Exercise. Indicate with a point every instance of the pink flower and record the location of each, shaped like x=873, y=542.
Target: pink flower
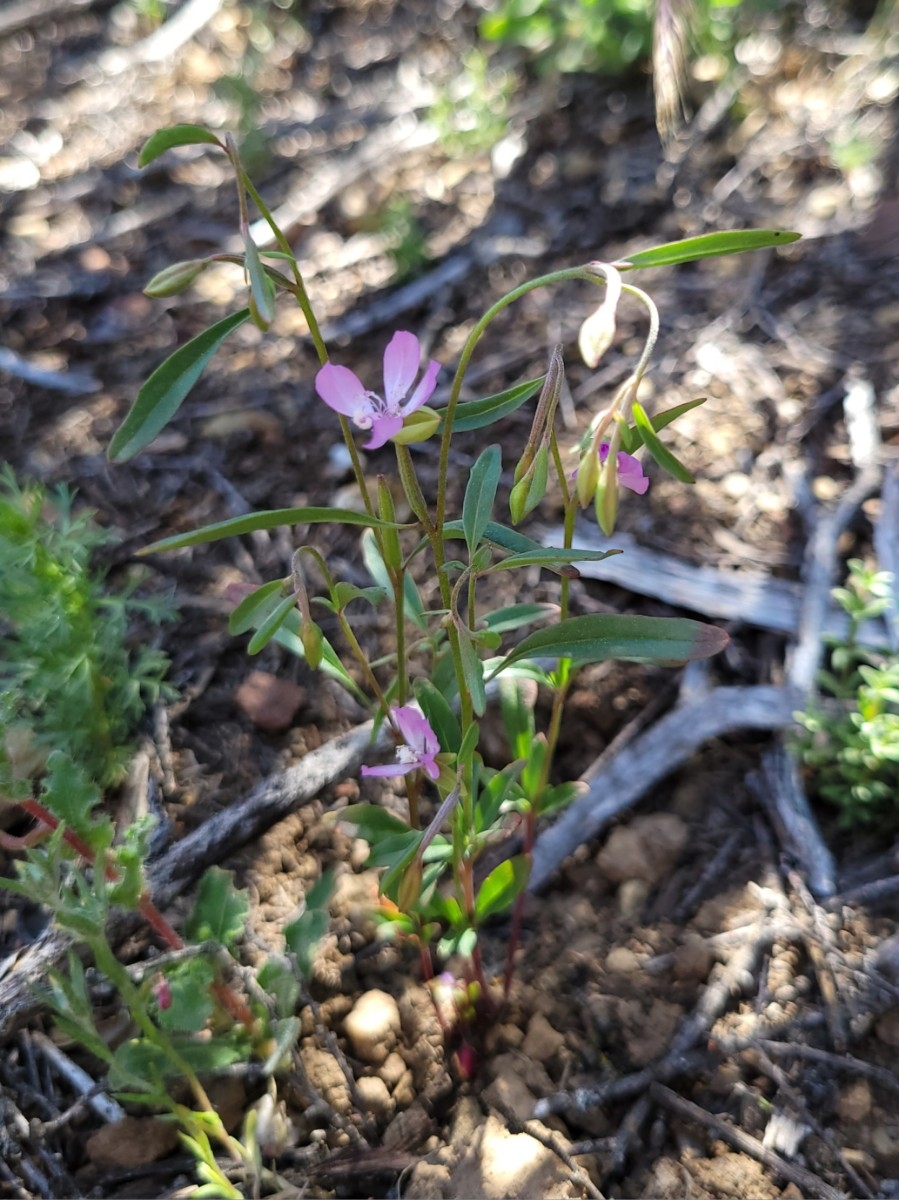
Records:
x=419, y=750
x=630, y=472
x=342, y=390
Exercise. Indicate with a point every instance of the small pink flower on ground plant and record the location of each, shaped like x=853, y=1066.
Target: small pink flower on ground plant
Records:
x=419, y=750
x=342, y=390
x=630, y=472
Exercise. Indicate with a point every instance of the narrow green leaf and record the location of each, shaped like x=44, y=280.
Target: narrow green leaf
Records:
x=473, y=671
x=178, y=135
x=477, y=504
x=254, y=608
x=660, y=453
x=271, y=624
x=476, y=414
x=163, y=393
x=504, y=620
x=604, y=636
x=261, y=287
x=630, y=438
x=268, y=519
x=502, y=886
x=709, y=245
x=549, y=556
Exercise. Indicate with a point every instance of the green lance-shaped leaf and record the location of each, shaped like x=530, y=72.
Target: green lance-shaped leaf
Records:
x=551, y=557
x=476, y=414
x=267, y=519
x=473, y=672
x=501, y=887
x=255, y=607
x=709, y=245
x=440, y=715
x=163, y=393
x=514, y=542
x=630, y=438
x=178, y=135
x=262, y=289
x=477, y=504
x=271, y=624
x=660, y=453
x=604, y=636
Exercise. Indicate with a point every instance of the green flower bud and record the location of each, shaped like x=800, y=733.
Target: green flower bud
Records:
x=176, y=278
x=606, y=500
x=587, y=476
x=418, y=427
x=531, y=488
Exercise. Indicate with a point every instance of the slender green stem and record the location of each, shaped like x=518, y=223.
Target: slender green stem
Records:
x=465, y=358
x=302, y=295
x=359, y=655
x=397, y=578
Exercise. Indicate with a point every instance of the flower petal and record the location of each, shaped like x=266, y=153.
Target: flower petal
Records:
x=394, y=768
x=416, y=730
x=401, y=359
x=424, y=391
x=341, y=390
x=630, y=474
x=383, y=427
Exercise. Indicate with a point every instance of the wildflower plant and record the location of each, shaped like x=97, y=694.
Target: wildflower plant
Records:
x=431, y=692
x=427, y=695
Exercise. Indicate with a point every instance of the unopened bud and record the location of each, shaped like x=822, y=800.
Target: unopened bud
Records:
x=598, y=331
x=587, y=476
x=607, y=496
x=176, y=278
x=418, y=427
x=531, y=488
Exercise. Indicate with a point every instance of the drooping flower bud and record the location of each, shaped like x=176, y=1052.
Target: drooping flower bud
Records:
x=598, y=331
x=587, y=476
x=389, y=538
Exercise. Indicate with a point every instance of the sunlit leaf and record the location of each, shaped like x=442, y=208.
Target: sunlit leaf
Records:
x=709, y=245
x=178, y=135
x=163, y=393
x=630, y=438
x=502, y=885
x=659, y=452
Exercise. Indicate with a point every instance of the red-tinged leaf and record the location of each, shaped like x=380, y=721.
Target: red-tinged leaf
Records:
x=163, y=393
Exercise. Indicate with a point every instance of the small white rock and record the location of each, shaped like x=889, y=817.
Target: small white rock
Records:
x=373, y=1026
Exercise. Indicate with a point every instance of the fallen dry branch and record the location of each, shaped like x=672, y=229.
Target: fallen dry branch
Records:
x=811, y=1184
x=653, y=756
x=718, y=593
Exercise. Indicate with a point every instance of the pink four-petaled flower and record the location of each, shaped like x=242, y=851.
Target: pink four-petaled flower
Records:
x=342, y=390
x=419, y=750
x=630, y=472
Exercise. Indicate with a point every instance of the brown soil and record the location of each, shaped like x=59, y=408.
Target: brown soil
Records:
x=678, y=986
